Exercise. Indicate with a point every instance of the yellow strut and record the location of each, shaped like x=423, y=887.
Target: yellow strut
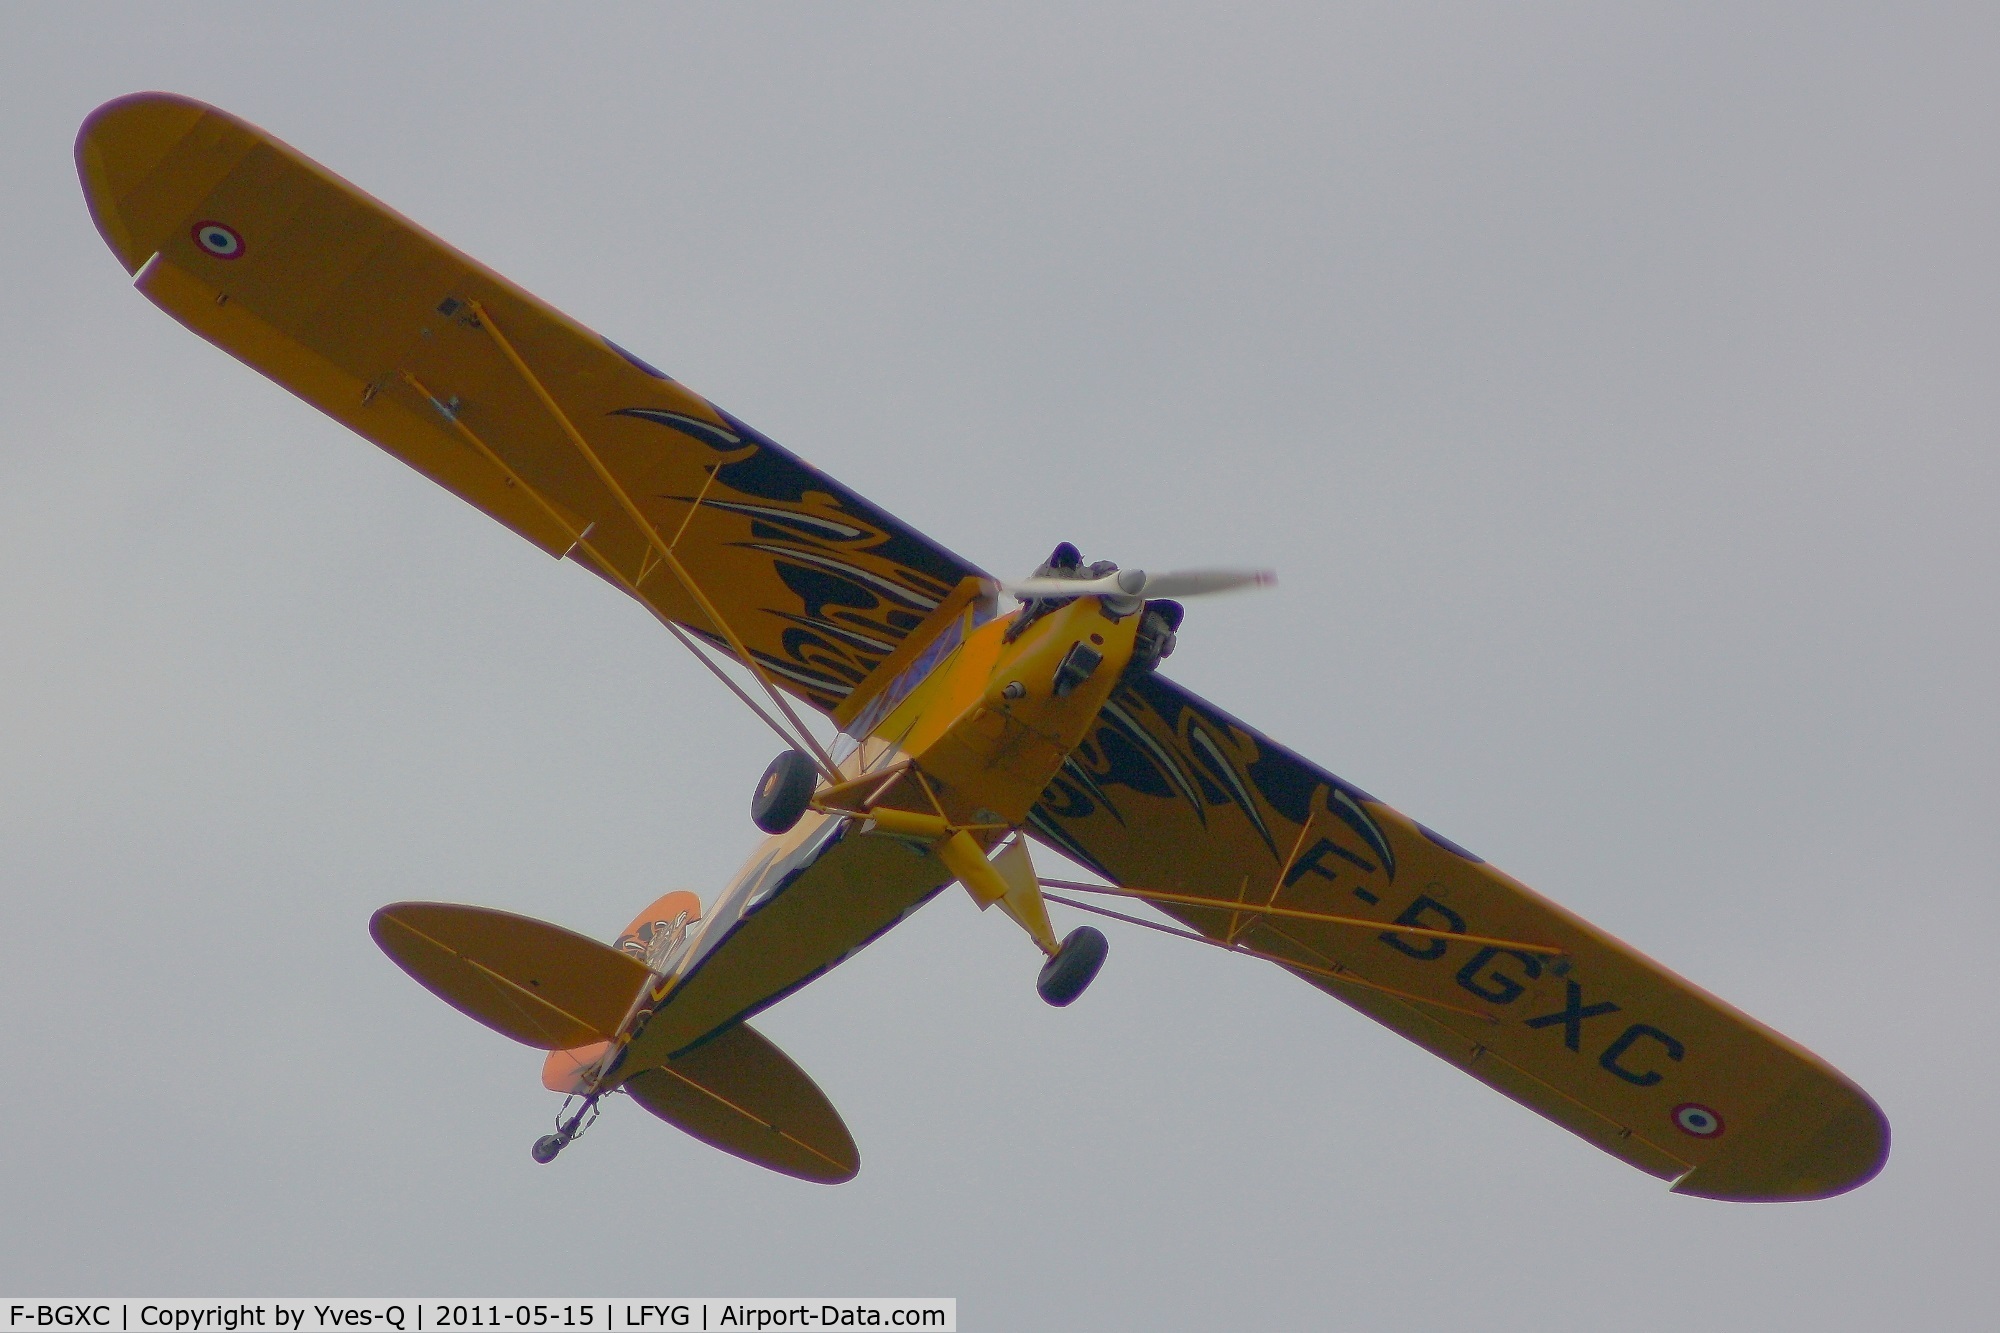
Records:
x=1278, y=886
x=1011, y=882
x=652, y=535
x=582, y=540
x=875, y=783
x=1298, y=914
x=1341, y=975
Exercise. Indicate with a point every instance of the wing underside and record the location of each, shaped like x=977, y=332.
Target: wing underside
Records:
x=475, y=383
x=1171, y=795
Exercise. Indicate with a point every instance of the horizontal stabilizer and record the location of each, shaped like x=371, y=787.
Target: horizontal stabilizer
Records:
x=537, y=983
x=739, y=1093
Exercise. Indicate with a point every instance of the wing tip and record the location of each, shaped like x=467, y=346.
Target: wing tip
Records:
x=1840, y=1149
x=117, y=146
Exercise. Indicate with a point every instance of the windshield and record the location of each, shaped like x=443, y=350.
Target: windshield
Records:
x=978, y=613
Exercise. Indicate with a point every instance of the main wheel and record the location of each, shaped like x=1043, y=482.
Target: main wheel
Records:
x=546, y=1148
x=1073, y=967
x=783, y=792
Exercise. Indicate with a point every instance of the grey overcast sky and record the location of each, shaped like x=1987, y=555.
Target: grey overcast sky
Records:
x=1613, y=386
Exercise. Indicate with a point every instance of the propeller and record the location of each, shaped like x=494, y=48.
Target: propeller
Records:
x=1137, y=584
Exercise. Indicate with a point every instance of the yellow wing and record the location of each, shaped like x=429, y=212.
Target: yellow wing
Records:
x=567, y=439
x=1170, y=794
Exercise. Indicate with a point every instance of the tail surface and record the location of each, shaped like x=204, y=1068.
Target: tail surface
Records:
x=571, y=996
x=739, y=1093
x=526, y=979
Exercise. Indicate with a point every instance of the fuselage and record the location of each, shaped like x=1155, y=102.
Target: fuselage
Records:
x=975, y=739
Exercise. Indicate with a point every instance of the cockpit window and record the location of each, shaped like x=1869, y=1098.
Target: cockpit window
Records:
x=978, y=613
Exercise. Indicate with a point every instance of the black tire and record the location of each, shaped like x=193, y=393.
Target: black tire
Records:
x=546, y=1148
x=784, y=792
x=1074, y=966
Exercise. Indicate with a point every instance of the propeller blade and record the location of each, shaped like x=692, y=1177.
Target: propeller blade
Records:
x=1138, y=583
x=1199, y=582
x=1032, y=588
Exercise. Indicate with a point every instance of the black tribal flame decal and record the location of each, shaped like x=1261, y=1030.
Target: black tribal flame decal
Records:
x=858, y=580
x=1157, y=740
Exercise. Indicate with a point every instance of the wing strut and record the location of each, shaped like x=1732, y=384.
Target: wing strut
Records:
x=1299, y=914
x=581, y=540
x=1336, y=973
x=1010, y=881
x=652, y=535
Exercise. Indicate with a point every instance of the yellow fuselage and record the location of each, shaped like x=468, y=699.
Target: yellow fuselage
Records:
x=982, y=735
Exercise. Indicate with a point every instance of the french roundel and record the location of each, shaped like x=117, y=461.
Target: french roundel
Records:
x=218, y=239
x=1698, y=1120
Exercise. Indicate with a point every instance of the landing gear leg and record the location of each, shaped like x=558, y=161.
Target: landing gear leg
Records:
x=1009, y=879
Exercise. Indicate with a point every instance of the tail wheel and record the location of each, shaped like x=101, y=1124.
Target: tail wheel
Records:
x=784, y=792
x=1073, y=966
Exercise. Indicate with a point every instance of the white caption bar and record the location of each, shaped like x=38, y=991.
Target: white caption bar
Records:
x=385, y=1315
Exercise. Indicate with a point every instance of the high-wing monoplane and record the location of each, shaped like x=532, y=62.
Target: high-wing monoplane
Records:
x=963, y=732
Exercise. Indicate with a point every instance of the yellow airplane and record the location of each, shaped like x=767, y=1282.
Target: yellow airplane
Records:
x=963, y=732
